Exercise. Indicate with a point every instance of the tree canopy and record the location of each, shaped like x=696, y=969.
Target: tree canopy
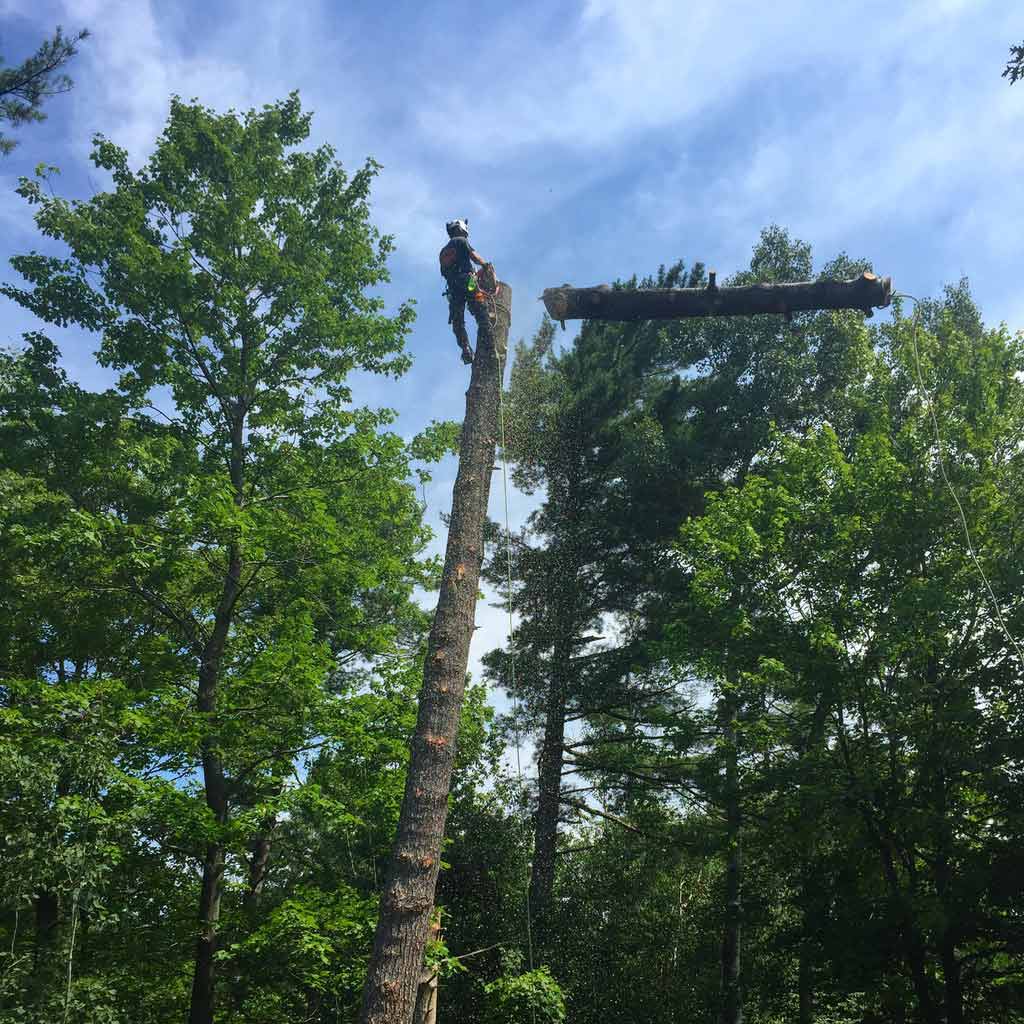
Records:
x=768, y=646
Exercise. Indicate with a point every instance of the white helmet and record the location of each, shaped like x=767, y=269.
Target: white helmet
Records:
x=457, y=227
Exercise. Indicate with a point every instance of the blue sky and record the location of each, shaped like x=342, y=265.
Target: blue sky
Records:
x=584, y=140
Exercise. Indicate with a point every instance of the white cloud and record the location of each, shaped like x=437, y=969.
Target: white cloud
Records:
x=913, y=135
x=133, y=67
x=137, y=59
x=408, y=206
x=625, y=69
x=15, y=213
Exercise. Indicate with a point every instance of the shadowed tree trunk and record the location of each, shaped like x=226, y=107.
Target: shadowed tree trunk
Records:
x=215, y=785
x=731, y=1011
x=911, y=940
x=549, y=784
x=952, y=983
x=45, y=954
x=259, y=858
x=810, y=894
x=47, y=908
x=396, y=964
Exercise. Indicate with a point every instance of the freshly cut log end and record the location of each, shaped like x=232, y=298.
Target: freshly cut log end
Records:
x=864, y=293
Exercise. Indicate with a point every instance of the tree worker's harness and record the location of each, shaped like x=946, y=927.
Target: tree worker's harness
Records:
x=481, y=286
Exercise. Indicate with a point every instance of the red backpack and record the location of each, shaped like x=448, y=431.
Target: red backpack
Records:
x=447, y=259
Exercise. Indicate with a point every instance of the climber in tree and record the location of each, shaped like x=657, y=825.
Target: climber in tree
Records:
x=457, y=259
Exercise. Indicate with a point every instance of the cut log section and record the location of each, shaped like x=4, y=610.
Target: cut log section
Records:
x=864, y=293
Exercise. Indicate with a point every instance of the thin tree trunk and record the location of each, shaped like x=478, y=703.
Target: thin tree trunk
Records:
x=805, y=968
x=215, y=785
x=427, y=994
x=393, y=975
x=732, y=983
x=203, y=988
x=604, y=303
x=203, y=1001
x=805, y=983
x=259, y=858
x=810, y=811
x=953, y=989
x=911, y=939
x=549, y=781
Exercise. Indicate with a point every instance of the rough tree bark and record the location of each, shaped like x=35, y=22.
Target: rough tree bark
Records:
x=549, y=796
x=396, y=964
x=604, y=303
x=731, y=1011
x=426, y=995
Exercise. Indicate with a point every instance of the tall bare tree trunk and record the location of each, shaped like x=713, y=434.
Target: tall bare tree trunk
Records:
x=731, y=1011
x=203, y=989
x=549, y=781
x=810, y=811
x=396, y=964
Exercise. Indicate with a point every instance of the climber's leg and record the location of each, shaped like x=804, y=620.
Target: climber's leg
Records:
x=457, y=318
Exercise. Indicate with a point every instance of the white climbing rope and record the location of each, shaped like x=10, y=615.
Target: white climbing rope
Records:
x=511, y=629
x=949, y=486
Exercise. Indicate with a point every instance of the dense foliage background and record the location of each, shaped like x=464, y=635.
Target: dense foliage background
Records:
x=770, y=602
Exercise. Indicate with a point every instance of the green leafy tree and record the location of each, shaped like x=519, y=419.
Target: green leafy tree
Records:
x=79, y=659
x=519, y=994
x=873, y=670
x=280, y=544
x=625, y=432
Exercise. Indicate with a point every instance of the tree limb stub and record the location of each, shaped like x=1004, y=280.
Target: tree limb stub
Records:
x=865, y=293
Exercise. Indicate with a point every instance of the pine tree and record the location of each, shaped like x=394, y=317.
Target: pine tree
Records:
x=24, y=88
